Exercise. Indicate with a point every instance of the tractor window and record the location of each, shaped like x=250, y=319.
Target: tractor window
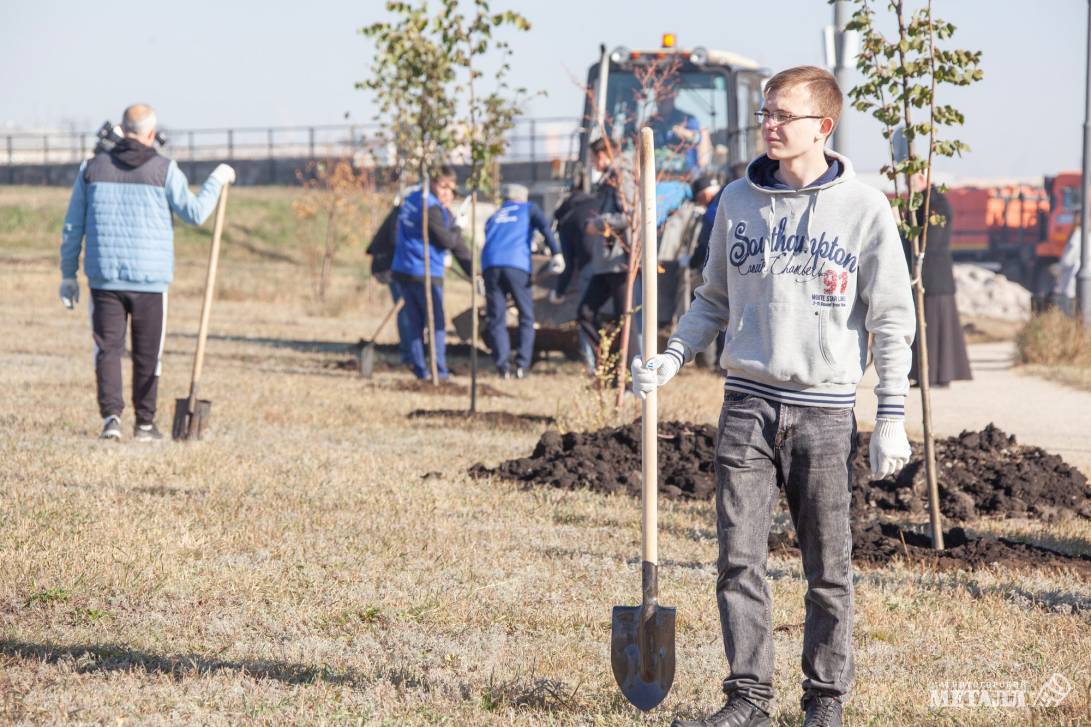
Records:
x=689, y=114
x=1070, y=199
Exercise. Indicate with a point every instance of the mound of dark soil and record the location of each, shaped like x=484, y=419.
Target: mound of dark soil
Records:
x=609, y=460
x=981, y=474
x=502, y=419
x=984, y=473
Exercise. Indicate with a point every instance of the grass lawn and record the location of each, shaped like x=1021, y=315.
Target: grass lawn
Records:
x=323, y=559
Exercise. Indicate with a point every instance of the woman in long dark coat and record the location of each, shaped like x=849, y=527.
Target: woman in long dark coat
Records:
x=947, y=359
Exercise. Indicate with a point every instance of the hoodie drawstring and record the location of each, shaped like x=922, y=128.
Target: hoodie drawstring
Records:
x=812, y=210
x=769, y=234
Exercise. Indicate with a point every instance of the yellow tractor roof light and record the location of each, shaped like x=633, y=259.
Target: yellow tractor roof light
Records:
x=669, y=40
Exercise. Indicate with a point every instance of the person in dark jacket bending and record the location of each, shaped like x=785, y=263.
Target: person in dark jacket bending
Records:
x=444, y=238
x=947, y=358
x=605, y=238
x=381, y=251
x=506, y=267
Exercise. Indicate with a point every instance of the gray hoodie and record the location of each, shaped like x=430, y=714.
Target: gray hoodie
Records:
x=797, y=279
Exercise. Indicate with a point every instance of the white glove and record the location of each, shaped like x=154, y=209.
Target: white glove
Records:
x=889, y=450
x=659, y=369
x=70, y=292
x=479, y=285
x=223, y=174
x=555, y=297
x=556, y=264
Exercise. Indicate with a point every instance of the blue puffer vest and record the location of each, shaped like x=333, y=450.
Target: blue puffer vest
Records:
x=409, y=250
x=126, y=215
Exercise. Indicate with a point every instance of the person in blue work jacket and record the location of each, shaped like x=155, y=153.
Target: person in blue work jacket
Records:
x=677, y=133
x=506, y=266
x=444, y=238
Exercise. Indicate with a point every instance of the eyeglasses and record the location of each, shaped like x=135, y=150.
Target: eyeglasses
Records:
x=780, y=117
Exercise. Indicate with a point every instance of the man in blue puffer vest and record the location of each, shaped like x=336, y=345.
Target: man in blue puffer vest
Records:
x=444, y=238
x=122, y=202
x=505, y=265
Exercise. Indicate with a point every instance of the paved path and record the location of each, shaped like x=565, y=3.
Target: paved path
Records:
x=1038, y=412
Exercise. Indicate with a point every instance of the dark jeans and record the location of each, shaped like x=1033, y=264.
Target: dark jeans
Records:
x=416, y=317
x=601, y=288
x=807, y=451
x=499, y=284
x=110, y=314
x=402, y=322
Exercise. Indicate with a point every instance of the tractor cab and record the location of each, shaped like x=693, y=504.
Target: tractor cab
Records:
x=700, y=104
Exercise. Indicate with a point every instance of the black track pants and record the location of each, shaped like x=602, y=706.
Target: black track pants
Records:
x=111, y=311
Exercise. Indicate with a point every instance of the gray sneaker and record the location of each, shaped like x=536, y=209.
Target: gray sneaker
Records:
x=821, y=711
x=146, y=433
x=736, y=713
x=111, y=428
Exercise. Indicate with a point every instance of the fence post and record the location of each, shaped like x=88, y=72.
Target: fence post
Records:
x=83, y=146
x=272, y=158
x=310, y=141
x=192, y=162
x=533, y=150
x=230, y=144
x=11, y=161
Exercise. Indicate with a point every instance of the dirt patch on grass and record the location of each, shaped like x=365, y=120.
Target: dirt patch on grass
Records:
x=984, y=473
x=879, y=543
x=503, y=419
x=445, y=388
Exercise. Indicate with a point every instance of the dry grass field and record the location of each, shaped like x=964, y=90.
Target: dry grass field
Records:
x=323, y=559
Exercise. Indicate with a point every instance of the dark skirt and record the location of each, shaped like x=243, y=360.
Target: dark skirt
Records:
x=947, y=359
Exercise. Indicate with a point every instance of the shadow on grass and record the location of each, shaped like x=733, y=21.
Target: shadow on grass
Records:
x=106, y=658
x=302, y=346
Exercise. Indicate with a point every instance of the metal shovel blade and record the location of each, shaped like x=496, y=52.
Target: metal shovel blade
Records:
x=367, y=360
x=642, y=651
x=190, y=424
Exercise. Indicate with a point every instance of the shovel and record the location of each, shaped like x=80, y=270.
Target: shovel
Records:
x=191, y=414
x=642, y=637
x=367, y=353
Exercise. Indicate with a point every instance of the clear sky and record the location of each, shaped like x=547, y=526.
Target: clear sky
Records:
x=215, y=63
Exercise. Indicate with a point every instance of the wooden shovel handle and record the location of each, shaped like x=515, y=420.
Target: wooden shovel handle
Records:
x=206, y=306
x=649, y=489
x=386, y=319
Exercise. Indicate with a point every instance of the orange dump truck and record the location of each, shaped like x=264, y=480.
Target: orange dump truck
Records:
x=1021, y=229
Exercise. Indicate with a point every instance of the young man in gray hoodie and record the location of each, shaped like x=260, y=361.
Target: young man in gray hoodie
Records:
x=804, y=262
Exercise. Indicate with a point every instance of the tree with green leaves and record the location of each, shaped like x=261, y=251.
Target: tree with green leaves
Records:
x=489, y=118
x=413, y=79
x=902, y=75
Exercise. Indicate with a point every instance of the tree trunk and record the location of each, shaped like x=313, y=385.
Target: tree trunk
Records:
x=626, y=319
x=428, y=307
x=474, y=161
x=473, y=301
x=926, y=407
